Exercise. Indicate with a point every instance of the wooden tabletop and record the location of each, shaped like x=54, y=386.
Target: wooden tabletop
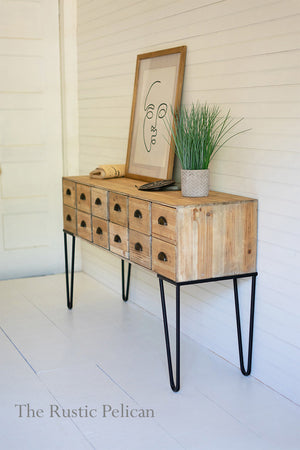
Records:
x=129, y=186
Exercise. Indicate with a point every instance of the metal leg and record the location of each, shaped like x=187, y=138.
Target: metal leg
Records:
x=175, y=386
x=125, y=294
x=238, y=324
x=69, y=295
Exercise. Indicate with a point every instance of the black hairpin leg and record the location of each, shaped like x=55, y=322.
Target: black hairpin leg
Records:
x=174, y=385
x=125, y=293
x=244, y=371
x=69, y=292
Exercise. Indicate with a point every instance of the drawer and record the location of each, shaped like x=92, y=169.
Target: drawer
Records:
x=118, y=240
x=70, y=219
x=100, y=232
x=84, y=228
x=164, y=258
x=164, y=222
x=139, y=213
x=83, y=196
x=118, y=209
x=140, y=248
x=69, y=193
x=99, y=203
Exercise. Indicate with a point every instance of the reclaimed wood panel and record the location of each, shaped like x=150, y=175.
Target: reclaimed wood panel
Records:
x=84, y=225
x=140, y=248
x=99, y=203
x=128, y=186
x=70, y=219
x=164, y=222
x=100, y=232
x=83, y=198
x=118, y=208
x=118, y=240
x=215, y=241
x=139, y=212
x=69, y=193
x=164, y=258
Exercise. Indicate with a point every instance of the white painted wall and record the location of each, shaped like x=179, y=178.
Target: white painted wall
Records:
x=30, y=139
x=244, y=56
x=69, y=85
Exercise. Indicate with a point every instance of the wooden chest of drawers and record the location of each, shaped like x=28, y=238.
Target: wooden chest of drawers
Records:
x=180, y=238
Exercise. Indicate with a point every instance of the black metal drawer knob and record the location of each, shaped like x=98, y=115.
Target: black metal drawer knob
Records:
x=138, y=247
x=83, y=224
x=98, y=201
x=82, y=196
x=162, y=256
x=68, y=191
x=117, y=239
x=162, y=221
x=69, y=218
x=117, y=207
x=138, y=214
x=99, y=230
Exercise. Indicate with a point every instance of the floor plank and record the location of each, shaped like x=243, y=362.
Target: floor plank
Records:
x=107, y=354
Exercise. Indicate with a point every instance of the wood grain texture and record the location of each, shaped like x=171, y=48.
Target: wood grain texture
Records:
x=139, y=212
x=100, y=232
x=118, y=240
x=216, y=240
x=118, y=209
x=140, y=248
x=164, y=223
x=130, y=186
x=99, y=201
x=83, y=197
x=250, y=236
x=70, y=219
x=84, y=225
x=69, y=193
x=164, y=258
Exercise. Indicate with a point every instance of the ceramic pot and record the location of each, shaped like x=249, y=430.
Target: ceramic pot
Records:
x=194, y=183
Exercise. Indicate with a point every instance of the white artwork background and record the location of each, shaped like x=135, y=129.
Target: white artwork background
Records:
x=162, y=92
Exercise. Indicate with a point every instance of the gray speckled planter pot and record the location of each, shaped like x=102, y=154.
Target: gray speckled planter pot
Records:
x=194, y=183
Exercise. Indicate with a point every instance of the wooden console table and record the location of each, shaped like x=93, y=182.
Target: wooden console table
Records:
x=183, y=240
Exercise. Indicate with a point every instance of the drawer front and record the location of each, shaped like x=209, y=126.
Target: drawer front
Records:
x=83, y=197
x=100, y=232
x=118, y=209
x=70, y=219
x=84, y=228
x=118, y=240
x=140, y=248
x=164, y=222
x=69, y=193
x=164, y=258
x=139, y=212
x=99, y=203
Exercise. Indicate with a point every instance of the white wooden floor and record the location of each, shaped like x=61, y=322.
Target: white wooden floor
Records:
x=106, y=352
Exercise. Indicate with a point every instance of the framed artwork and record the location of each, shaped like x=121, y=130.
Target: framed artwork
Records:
x=157, y=88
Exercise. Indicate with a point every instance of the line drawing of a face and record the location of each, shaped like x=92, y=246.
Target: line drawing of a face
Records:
x=153, y=114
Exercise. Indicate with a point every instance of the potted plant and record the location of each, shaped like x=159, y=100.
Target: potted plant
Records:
x=198, y=134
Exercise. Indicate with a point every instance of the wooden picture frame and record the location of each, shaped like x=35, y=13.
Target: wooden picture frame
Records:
x=157, y=88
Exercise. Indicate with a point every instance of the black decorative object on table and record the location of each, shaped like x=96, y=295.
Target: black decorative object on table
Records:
x=156, y=185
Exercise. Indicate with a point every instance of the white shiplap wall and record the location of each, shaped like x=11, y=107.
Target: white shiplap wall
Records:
x=244, y=56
